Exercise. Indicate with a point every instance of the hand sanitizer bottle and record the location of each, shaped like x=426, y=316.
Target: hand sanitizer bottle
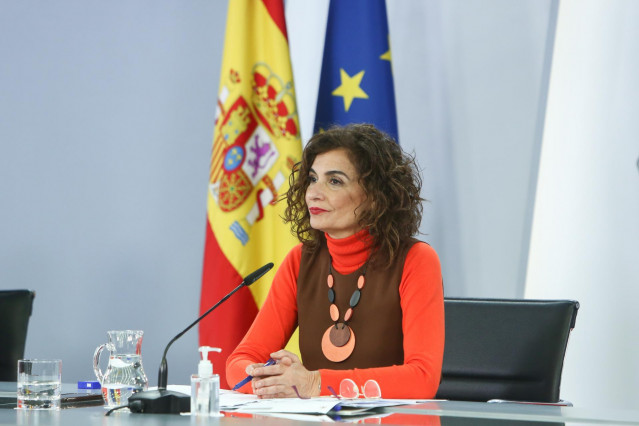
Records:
x=205, y=386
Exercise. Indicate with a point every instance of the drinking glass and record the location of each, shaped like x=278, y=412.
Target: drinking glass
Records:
x=39, y=384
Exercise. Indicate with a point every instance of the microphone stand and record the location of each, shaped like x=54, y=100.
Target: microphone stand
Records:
x=163, y=401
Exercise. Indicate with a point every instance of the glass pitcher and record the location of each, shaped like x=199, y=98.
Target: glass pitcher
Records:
x=124, y=374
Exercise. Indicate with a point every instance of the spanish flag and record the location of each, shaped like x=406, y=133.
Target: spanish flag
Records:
x=256, y=142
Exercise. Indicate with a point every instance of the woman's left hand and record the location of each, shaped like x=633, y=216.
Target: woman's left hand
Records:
x=277, y=381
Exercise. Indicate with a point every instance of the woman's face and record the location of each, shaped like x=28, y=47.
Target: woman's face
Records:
x=334, y=196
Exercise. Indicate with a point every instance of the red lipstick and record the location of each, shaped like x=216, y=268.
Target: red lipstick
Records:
x=316, y=210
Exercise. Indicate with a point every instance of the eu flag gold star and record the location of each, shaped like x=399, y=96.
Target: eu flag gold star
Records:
x=349, y=89
x=386, y=56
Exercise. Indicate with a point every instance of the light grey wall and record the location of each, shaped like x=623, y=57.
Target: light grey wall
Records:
x=106, y=117
x=468, y=91
x=106, y=122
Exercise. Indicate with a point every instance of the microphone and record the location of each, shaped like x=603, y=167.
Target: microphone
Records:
x=163, y=401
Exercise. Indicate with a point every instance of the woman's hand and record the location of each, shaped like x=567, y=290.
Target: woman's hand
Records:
x=277, y=381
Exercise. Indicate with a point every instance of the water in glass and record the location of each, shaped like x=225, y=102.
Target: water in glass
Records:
x=39, y=395
x=124, y=374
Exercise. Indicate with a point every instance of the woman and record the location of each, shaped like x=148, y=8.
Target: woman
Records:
x=367, y=297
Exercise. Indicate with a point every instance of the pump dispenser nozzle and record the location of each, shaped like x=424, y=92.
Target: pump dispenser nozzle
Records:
x=205, y=367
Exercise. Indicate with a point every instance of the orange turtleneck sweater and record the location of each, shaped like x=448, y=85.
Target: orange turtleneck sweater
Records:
x=422, y=303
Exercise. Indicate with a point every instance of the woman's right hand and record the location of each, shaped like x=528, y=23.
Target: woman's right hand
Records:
x=251, y=367
x=277, y=381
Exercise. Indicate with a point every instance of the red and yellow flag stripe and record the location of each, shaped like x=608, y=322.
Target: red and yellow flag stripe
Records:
x=255, y=144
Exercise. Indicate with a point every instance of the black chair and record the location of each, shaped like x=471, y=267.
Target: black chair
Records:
x=499, y=349
x=15, y=310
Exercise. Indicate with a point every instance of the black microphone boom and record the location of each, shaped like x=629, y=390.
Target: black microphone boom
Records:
x=250, y=279
x=169, y=402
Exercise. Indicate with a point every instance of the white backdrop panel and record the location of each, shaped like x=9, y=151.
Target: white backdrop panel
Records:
x=586, y=218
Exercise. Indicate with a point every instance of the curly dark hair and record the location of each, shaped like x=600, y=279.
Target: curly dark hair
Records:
x=389, y=177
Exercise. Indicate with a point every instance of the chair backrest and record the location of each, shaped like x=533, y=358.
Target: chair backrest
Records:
x=505, y=349
x=15, y=310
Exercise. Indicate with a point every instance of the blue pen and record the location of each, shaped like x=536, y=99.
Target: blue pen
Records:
x=271, y=361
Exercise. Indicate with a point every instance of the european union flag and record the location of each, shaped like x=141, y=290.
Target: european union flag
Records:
x=356, y=84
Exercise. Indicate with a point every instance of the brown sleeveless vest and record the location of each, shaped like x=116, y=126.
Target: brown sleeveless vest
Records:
x=376, y=320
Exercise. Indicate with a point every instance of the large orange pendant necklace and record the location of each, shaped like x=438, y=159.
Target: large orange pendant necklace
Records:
x=338, y=341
